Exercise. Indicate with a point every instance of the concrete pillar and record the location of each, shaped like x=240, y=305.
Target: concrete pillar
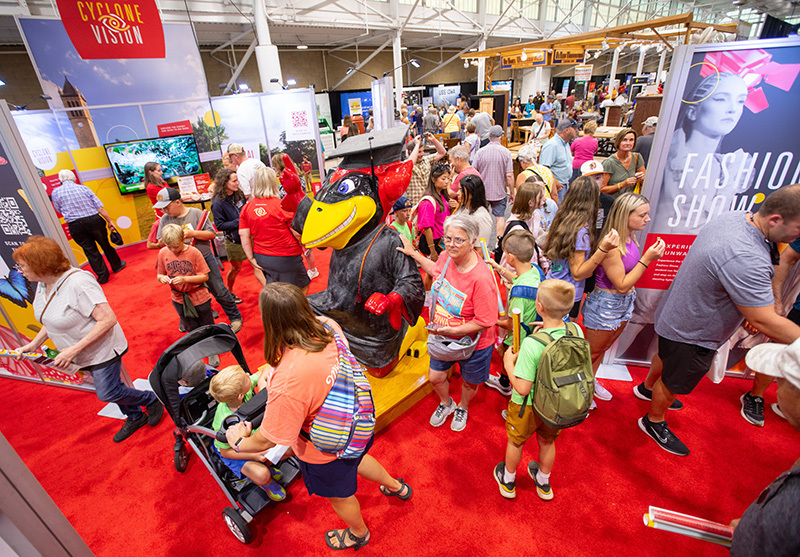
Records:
x=613, y=77
x=642, y=54
x=397, y=54
x=269, y=64
x=481, y=66
x=661, y=61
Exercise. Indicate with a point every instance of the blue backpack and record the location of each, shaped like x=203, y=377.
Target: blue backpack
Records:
x=346, y=420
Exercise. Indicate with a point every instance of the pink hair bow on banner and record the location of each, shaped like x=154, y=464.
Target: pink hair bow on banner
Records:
x=754, y=66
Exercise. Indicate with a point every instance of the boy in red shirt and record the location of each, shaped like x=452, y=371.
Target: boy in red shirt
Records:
x=184, y=269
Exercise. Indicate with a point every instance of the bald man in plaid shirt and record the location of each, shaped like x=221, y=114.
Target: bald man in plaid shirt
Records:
x=87, y=220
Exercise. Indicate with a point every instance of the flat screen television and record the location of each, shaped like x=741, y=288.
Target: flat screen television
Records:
x=177, y=156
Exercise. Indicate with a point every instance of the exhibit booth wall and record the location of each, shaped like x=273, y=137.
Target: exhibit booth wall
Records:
x=98, y=102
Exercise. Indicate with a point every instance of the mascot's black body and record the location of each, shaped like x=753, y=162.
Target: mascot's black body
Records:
x=373, y=289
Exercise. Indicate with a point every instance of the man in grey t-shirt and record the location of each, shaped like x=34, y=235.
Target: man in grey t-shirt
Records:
x=725, y=279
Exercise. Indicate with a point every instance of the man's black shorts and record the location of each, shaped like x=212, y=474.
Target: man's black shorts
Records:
x=684, y=364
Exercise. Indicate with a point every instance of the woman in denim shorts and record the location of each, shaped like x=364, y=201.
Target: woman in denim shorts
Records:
x=608, y=308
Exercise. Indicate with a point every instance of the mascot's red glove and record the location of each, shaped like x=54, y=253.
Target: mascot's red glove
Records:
x=392, y=303
x=291, y=185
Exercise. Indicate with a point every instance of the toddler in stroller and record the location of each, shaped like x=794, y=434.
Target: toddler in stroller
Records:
x=232, y=387
x=195, y=431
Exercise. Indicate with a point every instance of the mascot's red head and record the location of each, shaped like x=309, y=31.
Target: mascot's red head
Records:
x=358, y=195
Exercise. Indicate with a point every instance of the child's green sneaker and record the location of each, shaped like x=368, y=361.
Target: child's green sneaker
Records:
x=276, y=473
x=274, y=491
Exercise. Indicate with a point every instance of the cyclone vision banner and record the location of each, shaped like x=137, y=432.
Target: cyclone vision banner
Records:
x=113, y=29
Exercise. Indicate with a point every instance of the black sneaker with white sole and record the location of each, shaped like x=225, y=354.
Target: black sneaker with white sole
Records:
x=752, y=409
x=662, y=434
x=643, y=393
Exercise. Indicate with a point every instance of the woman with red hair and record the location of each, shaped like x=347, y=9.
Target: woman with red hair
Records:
x=75, y=315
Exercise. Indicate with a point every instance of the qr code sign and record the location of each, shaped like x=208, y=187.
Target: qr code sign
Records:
x=300, y=119
x=11, y=220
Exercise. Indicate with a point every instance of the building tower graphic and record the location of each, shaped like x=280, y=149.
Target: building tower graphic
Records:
x=81, y=120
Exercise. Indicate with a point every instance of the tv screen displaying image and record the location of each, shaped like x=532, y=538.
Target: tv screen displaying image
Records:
x=177, y=156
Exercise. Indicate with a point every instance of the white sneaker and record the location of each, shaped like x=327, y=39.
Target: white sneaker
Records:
x=593, y=405
x=601, y=392
x=777, y=410
x=313, y=273
x=442, y=411
x=494, y=383
x=459, y=419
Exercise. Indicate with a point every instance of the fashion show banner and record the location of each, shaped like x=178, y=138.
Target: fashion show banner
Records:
x=726, y=139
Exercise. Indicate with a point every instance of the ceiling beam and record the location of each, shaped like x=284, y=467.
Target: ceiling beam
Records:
x=679, y=19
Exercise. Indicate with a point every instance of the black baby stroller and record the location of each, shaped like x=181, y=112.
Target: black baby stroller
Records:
x=194, y=413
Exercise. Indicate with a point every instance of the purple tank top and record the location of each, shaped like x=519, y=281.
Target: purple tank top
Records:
x=629, y=261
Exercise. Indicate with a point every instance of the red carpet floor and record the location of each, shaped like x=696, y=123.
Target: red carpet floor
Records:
x=128, y=500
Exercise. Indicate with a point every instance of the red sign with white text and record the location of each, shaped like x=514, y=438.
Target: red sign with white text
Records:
x=202, y=182
x=113, y=29
x=175, y=128
x=659, y=274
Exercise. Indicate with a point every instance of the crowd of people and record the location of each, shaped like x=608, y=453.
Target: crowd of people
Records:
x=562, y=236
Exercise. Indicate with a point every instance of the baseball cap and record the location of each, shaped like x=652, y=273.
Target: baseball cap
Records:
x=495, y=131
x=165, y=197
x=402, y=203
x=235, y=149
x=651, y=122
x=590, y=168
x=566, y=123
x=777, y=360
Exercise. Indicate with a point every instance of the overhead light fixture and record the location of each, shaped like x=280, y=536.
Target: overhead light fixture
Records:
x=414, y=62
x=466, y=63
x=302, y=47
x=473, y=50
x=291, y=82
x=605, y=44
x=523, y=56
x=349, y=71
x=474, y=62
x=403, y=48
x=2, y=82
x=244, y=87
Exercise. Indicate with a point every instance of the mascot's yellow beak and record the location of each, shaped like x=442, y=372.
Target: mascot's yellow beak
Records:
x=332, y=225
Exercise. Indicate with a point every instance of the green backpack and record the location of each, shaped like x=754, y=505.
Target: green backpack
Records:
x=564, y=386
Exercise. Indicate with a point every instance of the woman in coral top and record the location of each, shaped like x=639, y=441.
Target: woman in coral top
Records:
x=303, y=350
x=267, y=237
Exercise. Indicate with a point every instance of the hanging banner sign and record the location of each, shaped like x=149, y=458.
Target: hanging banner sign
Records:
x=116, y=29
x=583, y=73
x=707, y=161
x=535, y=58
x=175, y=128
x=566, y=56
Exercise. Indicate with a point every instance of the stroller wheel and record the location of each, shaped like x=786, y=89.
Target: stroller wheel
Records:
x=237, y=525
x=181, y=458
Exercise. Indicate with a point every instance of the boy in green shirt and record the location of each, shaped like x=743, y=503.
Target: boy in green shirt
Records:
x=231, y=388
x=553, y=303
x=402, y=212
x=519, y=246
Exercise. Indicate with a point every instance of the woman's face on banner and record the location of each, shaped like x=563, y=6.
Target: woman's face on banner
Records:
x=720, y=112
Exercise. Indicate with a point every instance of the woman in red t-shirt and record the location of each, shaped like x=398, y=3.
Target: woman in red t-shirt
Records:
x=153, y=183
x=267, y=237
x=302, y=349
x=466, y=304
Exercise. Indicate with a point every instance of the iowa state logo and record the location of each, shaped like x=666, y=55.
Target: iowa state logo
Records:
x=116, y=29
